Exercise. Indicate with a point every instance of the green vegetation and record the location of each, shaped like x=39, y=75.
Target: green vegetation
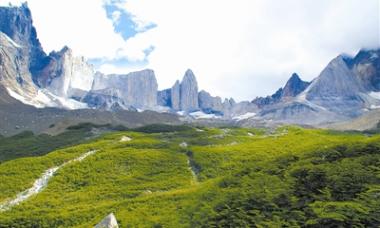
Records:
x=27, y=144
x=160, y=128
x=289, y=177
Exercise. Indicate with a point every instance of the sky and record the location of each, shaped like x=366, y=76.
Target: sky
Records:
x=236, y=48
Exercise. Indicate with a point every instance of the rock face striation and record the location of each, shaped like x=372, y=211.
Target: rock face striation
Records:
x=14, y=73
x=366, y=66
x=337, y=89
x=189, y=92
x=210, y=104
x=182, y=96
x=175, y=96
x=66, y=75
x=136, y=89
x=17, y=24
x=294, y=86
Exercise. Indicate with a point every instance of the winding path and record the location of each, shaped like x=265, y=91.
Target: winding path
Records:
x=39, y=184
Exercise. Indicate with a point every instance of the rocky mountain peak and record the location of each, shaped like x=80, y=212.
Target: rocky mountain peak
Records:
x=294, y=86
x=175, y=96
x=366, y=65
x=336, y=80
x=189, y=92
x=209, y=103
x=16, y=23
x=189, y=76
x=137, y=89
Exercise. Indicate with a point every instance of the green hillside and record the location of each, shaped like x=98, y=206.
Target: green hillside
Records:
x=209, y=177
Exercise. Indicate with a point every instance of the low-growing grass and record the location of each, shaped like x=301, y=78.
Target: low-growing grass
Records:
x=288, y=177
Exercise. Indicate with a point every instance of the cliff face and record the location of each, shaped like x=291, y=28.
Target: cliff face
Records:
x=14, y=72
x=66, y=75
x=209, y=103
x=366, y=66
x=17, y=24
x=189, y=92
x=137, y=89
x=294, y=86
x=175, y=96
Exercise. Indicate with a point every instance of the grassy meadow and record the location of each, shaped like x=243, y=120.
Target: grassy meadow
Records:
x=203, y=177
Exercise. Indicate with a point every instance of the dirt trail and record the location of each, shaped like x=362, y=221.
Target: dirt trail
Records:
x=40, y=183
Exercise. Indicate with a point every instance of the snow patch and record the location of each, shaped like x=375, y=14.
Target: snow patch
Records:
x=18, y=97
x=46, y=99
x=202, y=115
x=244, y=116
x=125, y=139
x=181, y=113
x=67, y=103
x=11, y=41
x=375, y=95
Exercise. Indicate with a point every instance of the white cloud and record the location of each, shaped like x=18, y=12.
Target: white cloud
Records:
x=116, y=16
x=244, y=48
x=81, y=25
x=238, y=48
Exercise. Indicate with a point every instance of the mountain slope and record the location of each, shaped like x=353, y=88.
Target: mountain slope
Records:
x=244, y=177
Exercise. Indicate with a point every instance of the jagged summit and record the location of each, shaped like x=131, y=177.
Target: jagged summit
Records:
x=336, y=80
x=294, y=86
x=16, y=22
x=189, y=92
x=189, y=76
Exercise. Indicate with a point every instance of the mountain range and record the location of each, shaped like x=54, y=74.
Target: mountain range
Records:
x=346, y=89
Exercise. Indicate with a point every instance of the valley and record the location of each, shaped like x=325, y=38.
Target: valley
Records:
x=119, y=131
x=183, y=176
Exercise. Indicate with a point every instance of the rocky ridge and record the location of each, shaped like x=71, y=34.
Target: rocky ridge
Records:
x=347, y=88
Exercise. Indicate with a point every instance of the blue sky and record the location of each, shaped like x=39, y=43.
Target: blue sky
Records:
x=236, y=48
x=124, y=24
x=123, y=20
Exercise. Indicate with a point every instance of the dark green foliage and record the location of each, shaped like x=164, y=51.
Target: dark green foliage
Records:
x=161, y=128
x=289, y=177
x=26, y=144
x=87, y=126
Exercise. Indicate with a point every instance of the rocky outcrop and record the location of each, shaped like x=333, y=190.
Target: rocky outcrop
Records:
x=268, y=100
x=108, y=222
x=17, y=24
x=336, y=80
x=164, y=98
x=189, y=92
x=336, y=89
x=14, y=72
x=137, y=89
x=66, y=75
x=182, y=96
x=175, y=96
x=292, y=88
x=208, y=103
x=366, y=66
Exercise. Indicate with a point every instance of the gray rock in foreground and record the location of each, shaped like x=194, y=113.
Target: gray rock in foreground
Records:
x=108, y=222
